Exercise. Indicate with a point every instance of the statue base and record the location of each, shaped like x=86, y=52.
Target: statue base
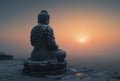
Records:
x=38, y=67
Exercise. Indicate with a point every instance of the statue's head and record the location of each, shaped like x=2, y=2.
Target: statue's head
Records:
x=43, y=17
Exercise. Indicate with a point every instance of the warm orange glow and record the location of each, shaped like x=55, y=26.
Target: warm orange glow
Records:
x=82, y=40
x=80, y=34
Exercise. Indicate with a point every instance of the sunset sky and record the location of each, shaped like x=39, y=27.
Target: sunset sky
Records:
x=86, y=29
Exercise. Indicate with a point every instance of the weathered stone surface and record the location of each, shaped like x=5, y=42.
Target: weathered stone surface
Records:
x=36, y=67
x=11, y=70
x=43, y=40
x=46, y=56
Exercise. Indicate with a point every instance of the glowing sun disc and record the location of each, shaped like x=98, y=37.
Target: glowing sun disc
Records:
x=82, y=40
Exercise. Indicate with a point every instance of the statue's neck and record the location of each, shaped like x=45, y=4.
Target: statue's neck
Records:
x=44, y=25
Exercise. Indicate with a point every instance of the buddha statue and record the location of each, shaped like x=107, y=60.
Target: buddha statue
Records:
x=46, y=55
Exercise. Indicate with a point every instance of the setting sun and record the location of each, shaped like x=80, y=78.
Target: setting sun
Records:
x=82, y=40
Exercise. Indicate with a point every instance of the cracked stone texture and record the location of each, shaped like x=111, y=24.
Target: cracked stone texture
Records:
x=11, y=70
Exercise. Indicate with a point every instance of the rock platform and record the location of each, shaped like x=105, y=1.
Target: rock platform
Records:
x=11, y=70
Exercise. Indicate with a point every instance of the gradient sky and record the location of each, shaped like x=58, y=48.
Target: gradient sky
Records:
x=97, y=21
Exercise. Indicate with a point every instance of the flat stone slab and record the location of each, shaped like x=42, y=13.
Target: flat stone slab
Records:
x=38, y=67
x=11, y=70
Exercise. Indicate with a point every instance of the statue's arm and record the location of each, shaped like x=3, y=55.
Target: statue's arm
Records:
x=32, y=36
x=51, y=39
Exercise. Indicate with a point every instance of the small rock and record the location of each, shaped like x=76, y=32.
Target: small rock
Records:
x=3, y=56
x=73, y=69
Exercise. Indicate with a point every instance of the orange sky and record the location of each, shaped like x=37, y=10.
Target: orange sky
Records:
x=98, y=26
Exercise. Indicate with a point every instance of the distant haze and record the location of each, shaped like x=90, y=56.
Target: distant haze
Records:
x=96, y=21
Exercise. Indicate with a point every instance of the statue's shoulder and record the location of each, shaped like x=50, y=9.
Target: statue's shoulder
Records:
x=49, y=29
x=46, y=28
x=36, y=27
x=42, y=28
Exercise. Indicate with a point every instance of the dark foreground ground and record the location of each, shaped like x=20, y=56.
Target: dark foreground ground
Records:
x=11, y=70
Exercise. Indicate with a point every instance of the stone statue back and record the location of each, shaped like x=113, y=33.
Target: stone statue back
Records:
x=46, y=56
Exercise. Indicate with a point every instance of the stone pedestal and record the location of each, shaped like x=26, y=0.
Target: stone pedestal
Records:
x=38, y=67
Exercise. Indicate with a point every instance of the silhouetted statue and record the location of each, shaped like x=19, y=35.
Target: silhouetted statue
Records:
x=46, y=56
